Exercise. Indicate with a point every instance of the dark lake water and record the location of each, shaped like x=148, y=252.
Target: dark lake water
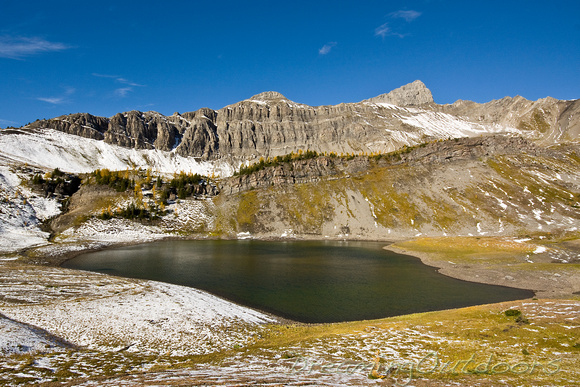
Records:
x=303, y=281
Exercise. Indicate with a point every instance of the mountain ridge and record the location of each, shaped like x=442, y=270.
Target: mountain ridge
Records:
x=268, y=125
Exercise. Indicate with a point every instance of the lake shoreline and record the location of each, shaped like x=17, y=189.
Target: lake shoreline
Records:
x=432, y=259
x=450, y=269
x=340, y=265
x=544, y=276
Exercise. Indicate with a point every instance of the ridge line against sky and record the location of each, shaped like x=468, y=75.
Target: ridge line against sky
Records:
x=64, y=57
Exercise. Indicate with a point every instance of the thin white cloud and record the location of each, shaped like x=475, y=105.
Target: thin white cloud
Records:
x=59, y=100
x=52, y=100
x=409, y=15
x=117, y=79
x=8, y=122
x=127, y=82
x=326, y=48
x=21, y=47
x=383, y=30
x=123, y=91
x=386, y=29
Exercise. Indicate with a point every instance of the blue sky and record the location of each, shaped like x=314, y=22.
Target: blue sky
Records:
x=60, y=57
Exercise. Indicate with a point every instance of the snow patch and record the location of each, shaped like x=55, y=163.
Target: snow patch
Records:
x=540, y=249
x=444, y=125
x=53, y=149
x=151, y=316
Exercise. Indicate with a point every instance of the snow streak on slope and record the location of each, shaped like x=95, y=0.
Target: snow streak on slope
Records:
x=447, y=126
x=407, y=126
x=53, y=149
x=21, y=212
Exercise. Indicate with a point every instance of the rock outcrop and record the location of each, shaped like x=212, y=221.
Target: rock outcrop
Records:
x=439, y=152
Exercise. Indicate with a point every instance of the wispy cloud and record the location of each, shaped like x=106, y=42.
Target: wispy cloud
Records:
x=409, y=16
x=386, y=29
x=52, y=100
x=121, y=91
x=59, y=100
x=8, y=122
x=20, y=47
x=326, y=48
x=127, y=82
x=383, y=30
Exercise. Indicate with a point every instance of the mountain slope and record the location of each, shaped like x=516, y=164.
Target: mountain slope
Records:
x=507, y=167
x=49, y=148
x=480, y=186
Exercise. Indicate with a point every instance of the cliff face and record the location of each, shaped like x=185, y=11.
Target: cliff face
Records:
x=268, y=124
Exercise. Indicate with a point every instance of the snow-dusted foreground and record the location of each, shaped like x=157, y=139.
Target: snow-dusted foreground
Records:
x=16, y=338
x=105, y=313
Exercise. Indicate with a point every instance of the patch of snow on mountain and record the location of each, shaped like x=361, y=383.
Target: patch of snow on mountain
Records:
x=445, y=125
x=20, y=212
x=53, y=149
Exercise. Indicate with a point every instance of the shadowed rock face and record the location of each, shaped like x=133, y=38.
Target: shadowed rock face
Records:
x=269, y=124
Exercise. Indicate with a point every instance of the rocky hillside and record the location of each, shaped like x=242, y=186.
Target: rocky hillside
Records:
x=269, y=124
x=489, y=186
x=437, y=152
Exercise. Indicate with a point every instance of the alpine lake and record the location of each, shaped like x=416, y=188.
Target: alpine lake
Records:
x=304, y=281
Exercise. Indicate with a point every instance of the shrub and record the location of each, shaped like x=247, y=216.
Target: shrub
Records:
x=118, y=180
x=513, y=313
x=37, y=179
x=57, y=173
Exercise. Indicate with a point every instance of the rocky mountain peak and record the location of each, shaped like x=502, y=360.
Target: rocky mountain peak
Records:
x=268, y=96
x=414, y=93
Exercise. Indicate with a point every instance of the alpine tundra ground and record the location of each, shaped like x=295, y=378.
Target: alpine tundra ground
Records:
x=67, y=327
